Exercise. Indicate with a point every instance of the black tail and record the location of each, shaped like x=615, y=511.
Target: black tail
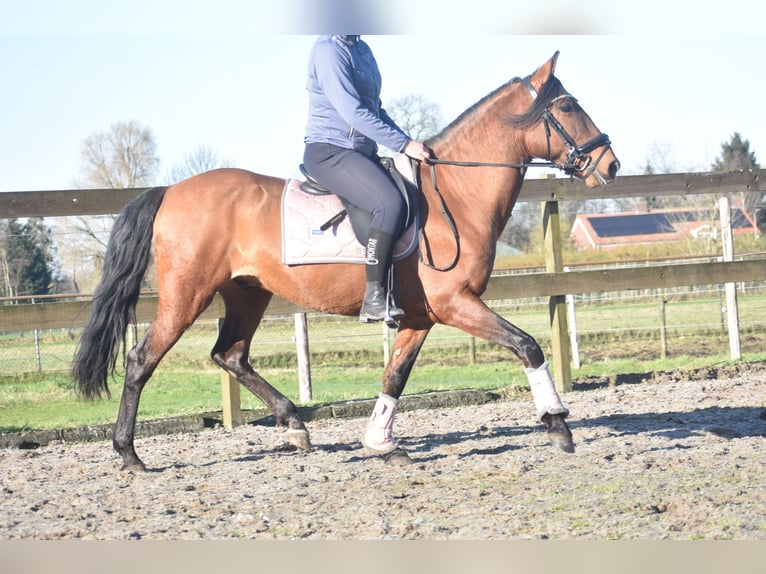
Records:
x=114, y=302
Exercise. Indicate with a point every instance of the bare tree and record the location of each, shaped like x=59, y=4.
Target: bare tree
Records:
x=660, y=158
x=202, y=159
x=418, y=117
x=122, y=157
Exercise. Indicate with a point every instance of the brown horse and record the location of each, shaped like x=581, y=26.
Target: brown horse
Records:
x=219, y=232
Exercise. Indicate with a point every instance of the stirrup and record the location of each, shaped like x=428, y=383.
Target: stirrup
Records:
x=392, y=322
x=382, y=307
x=392, y=319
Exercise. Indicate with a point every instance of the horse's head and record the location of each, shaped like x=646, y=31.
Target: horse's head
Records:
x=560, y=131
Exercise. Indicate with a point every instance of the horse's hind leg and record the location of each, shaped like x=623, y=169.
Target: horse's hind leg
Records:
x=141, y=363
x=179, y=304
x=245, y=307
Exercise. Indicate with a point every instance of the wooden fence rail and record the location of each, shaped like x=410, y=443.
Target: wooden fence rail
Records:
x=110, y=201
x=554, y=283
x=72, y=314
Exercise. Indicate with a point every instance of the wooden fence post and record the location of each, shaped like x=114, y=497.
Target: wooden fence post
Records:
x=572, y=318
x=231, y=404
x=663, y=328
x=732, y=310
x=386, y=343
x=562, y=369
x=304, y=360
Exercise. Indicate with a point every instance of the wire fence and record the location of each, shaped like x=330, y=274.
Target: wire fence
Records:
x=647, y=323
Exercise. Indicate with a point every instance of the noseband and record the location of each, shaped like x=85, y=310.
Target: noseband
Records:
x=578, y=163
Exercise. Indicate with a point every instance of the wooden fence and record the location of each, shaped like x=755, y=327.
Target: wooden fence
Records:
x=555, y=283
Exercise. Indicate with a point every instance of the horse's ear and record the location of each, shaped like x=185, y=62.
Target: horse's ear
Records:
x=544, y=72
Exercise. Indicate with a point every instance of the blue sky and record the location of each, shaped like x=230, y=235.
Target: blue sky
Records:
x=232, y=77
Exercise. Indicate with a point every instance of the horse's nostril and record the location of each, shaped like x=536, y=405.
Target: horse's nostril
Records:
x=614, y=167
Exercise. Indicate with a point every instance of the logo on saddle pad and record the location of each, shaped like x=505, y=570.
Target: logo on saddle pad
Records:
x=304, y=241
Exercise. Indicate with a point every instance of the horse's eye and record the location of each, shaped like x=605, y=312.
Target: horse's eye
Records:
x=567, y=107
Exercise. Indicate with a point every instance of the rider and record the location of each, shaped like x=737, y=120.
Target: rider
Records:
x=346, y=122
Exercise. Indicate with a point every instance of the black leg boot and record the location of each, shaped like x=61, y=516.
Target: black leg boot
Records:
x=378, y=304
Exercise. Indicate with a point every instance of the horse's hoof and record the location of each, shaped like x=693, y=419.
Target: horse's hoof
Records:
x=558, y=432
x=563, y=441
x=134, y=466
x=299, y=438
x=397, y=457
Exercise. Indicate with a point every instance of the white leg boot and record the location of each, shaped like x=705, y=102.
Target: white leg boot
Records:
x=380, y=428
x=547, y=400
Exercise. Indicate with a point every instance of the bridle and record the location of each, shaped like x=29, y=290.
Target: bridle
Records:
x=577, y=164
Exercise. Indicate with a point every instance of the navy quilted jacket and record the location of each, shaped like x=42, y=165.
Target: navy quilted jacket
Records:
x=344, y=98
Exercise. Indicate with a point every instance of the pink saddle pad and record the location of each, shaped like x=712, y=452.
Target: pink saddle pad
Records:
x=303, y=242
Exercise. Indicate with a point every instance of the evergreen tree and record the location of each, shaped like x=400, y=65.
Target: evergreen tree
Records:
x=736, y=155
x=26, y=257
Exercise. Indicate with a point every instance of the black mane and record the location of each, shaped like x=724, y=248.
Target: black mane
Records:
x=550, y=90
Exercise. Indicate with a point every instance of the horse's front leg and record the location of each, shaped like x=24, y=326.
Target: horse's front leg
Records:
x=379, y=435
x=471, y=315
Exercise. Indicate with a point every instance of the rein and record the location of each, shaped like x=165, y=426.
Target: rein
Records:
x=432, y=163
x=523, y=166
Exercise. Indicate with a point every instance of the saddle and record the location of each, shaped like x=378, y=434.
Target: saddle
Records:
x=400, y=170
x=319, y=227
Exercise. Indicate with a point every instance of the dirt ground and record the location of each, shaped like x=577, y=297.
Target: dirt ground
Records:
x=670, y=456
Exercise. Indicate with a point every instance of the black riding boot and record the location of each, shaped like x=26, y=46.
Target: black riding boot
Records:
x=378, y=304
